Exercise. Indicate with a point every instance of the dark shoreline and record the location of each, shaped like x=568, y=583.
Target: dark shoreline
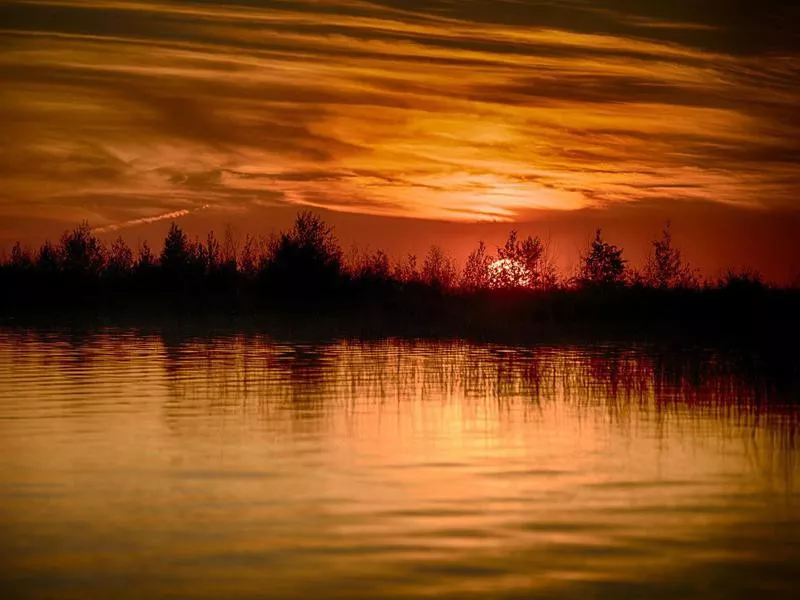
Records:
x=716, y=317
x=299, y=285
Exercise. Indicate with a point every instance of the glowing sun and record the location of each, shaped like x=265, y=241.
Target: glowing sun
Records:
x=507, y=272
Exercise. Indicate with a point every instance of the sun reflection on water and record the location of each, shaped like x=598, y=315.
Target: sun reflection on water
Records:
x=390, y=469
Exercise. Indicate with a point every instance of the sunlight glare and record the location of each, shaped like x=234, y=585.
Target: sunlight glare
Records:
x=509, y=273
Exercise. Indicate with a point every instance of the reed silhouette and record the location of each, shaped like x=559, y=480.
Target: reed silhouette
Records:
x=304, y=272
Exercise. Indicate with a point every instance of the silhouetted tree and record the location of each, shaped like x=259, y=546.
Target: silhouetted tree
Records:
x=310, y=239
x=210, y=254
x=146, y=260
x=602, y=265
x=81, y=252
x=374, y=267
x=665, y=267
x=304, y=262
x=248, y=257
x=20, y=259
x=47, y=259
x=229, y=254
x=177, y=255
x=438, y=269
x=353, y=260
x=476, y=270
x=406, y=270
x=120, y=258
x=16, y=274
x=526, y=253
x=543, y=268
x=741, y=280
x=526, y=264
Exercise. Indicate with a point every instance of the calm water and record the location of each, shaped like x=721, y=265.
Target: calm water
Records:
x=149, y=465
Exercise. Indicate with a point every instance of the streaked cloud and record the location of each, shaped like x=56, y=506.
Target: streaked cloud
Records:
x=475, y=110
x=170, y=216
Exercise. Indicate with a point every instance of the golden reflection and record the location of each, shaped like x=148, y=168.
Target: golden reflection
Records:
x=441, y=467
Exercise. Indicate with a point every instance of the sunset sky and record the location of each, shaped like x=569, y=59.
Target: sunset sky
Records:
x=409, y=122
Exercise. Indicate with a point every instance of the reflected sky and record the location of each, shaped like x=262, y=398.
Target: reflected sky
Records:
x=149, y=464
x=117, y=110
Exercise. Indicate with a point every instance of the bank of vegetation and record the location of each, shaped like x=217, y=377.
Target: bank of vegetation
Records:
x=302, y=274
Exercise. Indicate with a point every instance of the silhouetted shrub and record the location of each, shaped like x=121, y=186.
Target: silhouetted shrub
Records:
x=665, y=266
x=81, y=252
x=176, y=256
x=48, y=260
x=303, y=264
x=526, y=264
x=373, y=267
x=146, y=261
x=438, y=269
x=20, y=259
x=248, y=260
x=602, y=265
x=407, y=271
x=120, y=259
x=475, y=275
x=741, y=280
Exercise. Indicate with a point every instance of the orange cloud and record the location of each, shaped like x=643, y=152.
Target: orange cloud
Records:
x=434, y=110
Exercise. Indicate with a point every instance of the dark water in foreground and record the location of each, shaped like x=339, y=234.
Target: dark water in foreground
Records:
x=143, y=465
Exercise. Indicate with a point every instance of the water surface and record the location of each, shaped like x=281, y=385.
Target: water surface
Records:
x=145, y=464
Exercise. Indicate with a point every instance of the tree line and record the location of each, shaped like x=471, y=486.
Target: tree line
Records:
x=305, y=268
x=310, y=250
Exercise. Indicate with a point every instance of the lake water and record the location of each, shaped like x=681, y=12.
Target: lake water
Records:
x=145, y=464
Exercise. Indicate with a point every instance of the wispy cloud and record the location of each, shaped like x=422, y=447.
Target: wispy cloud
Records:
x=175, y=214
x=457, y=111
